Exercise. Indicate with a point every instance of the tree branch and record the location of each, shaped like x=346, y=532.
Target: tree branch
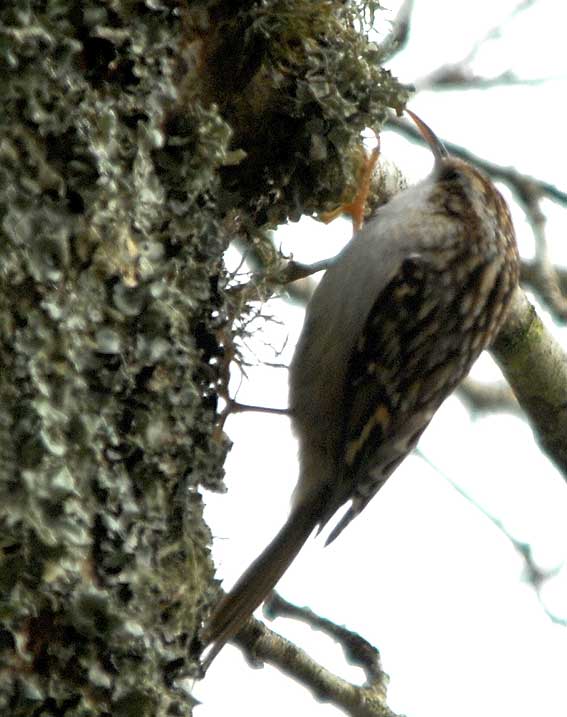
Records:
x=535, y=365
x=488, y=397
x=460, y=75
x=396, y=40
x=357, y=650
x=260, y=644
x=530, y=276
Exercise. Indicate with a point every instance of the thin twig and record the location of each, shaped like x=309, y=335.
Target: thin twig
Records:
x=549, y=285
x=357, y=650
x=237, y=407
x=398, y=36
x=531, y=277
x=534, y=575
x=460, y=75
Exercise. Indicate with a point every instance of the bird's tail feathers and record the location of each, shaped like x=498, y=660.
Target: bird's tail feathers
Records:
x=235, y=608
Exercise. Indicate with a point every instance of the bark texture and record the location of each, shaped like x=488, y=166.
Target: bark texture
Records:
x=136, y=140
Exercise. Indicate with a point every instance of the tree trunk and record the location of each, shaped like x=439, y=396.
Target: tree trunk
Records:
x=136, y=141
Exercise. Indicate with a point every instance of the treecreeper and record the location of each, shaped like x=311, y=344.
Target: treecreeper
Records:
x=394, y=325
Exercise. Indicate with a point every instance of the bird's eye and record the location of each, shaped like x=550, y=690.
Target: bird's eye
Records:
x=450, y=174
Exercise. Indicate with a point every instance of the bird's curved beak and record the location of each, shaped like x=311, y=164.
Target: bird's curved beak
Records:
x=437, y=147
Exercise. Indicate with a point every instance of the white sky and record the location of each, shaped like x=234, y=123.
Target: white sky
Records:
x=421, y=573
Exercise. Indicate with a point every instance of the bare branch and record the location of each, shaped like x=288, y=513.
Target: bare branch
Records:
x=357, y=650
x=562, y=621
x=488, y=397
x=548, y=278
x=289, y=272
x=237, y=407
x=399, y=34
x=531, y=277
x=260, y=644
x=460, y=75
x=495, y=32
x=295, y=270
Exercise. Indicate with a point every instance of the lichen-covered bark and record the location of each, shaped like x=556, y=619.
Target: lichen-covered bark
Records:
x=136, y=140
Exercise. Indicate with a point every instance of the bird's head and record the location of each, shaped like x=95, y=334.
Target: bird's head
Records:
x=466, y=189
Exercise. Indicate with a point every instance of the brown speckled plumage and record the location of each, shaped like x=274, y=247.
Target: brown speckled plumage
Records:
x=395, y=324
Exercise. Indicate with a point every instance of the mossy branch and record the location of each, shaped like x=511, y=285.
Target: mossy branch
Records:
x=535, y=365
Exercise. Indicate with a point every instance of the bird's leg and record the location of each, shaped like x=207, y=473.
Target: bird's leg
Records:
x=357, y=205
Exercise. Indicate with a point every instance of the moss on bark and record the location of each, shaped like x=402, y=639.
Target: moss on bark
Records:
x=136, y=140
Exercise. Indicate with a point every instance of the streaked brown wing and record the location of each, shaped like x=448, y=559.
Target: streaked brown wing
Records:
x=392, y=371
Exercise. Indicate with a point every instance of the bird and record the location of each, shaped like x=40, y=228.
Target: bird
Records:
x=394, y=325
